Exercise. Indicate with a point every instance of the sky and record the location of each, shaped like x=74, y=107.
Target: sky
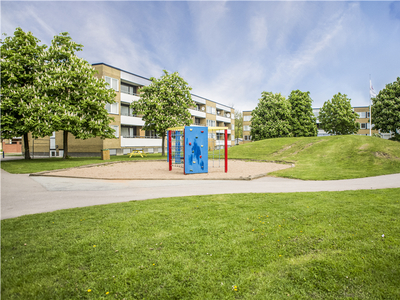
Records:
x=231, y=51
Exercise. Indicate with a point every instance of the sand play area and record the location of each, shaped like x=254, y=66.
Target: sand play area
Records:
x=158, y=170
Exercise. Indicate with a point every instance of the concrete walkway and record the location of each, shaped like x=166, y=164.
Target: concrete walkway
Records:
x=22, y=194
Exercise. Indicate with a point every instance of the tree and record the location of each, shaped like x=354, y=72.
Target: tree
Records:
x=238, y=125
x=76, y=96
x=164, y=103
x=271, y=117
x=337, y=116
x=386, y=109
x=303, y=121
x=23, y=107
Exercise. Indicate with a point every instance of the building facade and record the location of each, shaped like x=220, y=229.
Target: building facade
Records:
x=128, y=127
x=246, y=126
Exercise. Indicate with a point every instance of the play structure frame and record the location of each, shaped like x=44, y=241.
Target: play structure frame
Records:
x=187, y=146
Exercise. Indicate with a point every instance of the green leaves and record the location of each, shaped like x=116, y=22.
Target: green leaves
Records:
x=23, y=109
x=303, y=121
x=337, y=116
x=45, y=91
x=271, y=117
x=165, y=103
x=386, y=109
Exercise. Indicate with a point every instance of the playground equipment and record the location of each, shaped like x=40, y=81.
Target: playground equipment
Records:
x=188, y=148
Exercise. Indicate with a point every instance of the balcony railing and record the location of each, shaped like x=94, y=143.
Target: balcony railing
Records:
x=140, y=137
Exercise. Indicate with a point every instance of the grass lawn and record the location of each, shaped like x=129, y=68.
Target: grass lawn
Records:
x=48, y=164
x=326, y=158
x=326, y=245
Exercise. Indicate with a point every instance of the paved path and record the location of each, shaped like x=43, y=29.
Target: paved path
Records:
x=22, y=194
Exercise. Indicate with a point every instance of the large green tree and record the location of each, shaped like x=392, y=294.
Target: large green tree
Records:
x=337, y=116
x=271, y=117
x=303, y=122
x=23, y=107
x=77, y=98
x=386, y=109
x=238, y=125
x=165, y=103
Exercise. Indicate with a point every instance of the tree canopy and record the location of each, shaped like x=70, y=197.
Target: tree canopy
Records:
x=271, y=117
x=302, y=121
x=23, y=103
x=77, y=97
x=337, y=116
x=386, y=109
x=165, y=103
x=50, y=90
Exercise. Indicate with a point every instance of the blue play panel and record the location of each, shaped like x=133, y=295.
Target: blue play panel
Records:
x=196, y=149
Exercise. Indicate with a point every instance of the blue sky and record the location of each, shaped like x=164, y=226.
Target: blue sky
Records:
x=231, y=51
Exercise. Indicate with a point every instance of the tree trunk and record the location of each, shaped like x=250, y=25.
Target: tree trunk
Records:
x=163, y=144
x=65, y=143
x=26, y=146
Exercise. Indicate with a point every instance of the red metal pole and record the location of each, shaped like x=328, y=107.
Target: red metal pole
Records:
x=184, y=155
x=169, y=150
x=226, y=150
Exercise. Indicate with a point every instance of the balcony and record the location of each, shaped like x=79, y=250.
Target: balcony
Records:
x=197, y=113
x=221, y=143
x=127, y=98
x=222, y=131
x=223, y=107
x=224, y=119
x=134, y=121
x=141, y=141
x=197, y=99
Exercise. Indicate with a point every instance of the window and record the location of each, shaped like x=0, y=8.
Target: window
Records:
x=211, y=110
x=362, y=114
x=126, y=110
x=112, y=83
x=112, y=108
x=246, y=128
x=233, y=126
x=210, y=123
x=151, y=134
x=128, y=88
x=129, y=131
x=116, y=128
x=246, y=118
x=365, y=126
x=197, y=121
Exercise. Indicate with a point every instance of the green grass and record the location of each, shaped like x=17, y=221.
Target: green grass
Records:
x=326, y=158
x=315, y=158
x=48, y=164
x=325, y=245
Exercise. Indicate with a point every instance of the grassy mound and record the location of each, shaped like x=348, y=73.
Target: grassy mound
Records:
x=328, y=245
x=326, y=158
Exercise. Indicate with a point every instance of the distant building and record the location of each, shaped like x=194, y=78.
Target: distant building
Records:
x=246, y=126
x=362, y=111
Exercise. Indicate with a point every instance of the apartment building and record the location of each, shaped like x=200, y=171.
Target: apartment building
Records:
x=128, y=127
x=364, y=116
x=246, y=126
x=362, y=111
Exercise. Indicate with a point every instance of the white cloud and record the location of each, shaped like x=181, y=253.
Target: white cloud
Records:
x=258, y=32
